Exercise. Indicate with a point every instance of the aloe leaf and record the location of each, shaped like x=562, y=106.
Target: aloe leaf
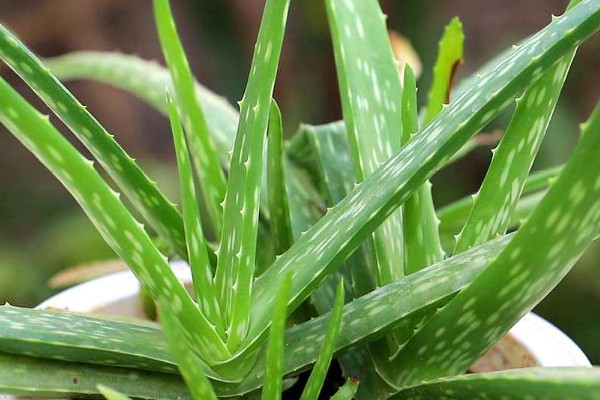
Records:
x=112, y=394
x=336, y=172
x=453, y=216
x=421, y=235
x=124, y=71
x=197, y=250
x=34, y=377
x=139, y=189
x=237, y=248
x=370, y=90
x=191, y=370
x=115, y=223
x=95, y=340
x=86, y=339
x=348, y=390
x=378, y=313
x=48, y=334
x=422, y=239
x=278, y=197
x=200, y=141
x=315, y=255
x=512, y=159
x=273, y=384
x=516, y=384
x=543, y=250
x=319, y=372
x=449, y=57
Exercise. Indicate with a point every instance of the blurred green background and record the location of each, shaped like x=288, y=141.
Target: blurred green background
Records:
x=41, y=228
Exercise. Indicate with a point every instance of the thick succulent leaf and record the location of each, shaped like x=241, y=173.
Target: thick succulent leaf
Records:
x=237, y=248
x=315, y=255
x=497, y=198
x=191, y=370
x=139, y=189
x=348, y=390
x=200, y=141
x=273, y=384
x=124, y=71
x=112, y=394
x=370, y=91
x=115, y=223
x=450, y=55
x=379, y=313
x=421, y=235
x=86, y=339
x=34, y=377
x=453, y=216
x=148, y=80
x=516, y=384
x=329, y=151
x=543, y=250
x=78, y=338
x=197, y=250
x=319, y=372
x=335, y=170
x=278, y=198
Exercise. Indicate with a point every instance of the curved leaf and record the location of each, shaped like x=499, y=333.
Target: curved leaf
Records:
x=115, y=223
x=139, y=189
x=516, y=384
x=33, y=377
x=205, y=156
x=543, y=250
x=315, y=255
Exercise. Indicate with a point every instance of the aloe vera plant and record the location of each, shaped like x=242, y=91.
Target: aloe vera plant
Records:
x=346, y=207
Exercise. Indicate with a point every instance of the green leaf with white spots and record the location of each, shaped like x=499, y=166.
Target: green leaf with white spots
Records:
x=497, y=198
x=278, y=198
x=348, y=390
x=421, y=235
x=197, y=251
x=449, y=57
x=200, y=141
x=515, y=384
x=454, y=215
x=319, y=372
x=86, y=339
x=322, y=249
x=327, y=149
x=370, y=91
x=33, y=377
x=273, y=383
x=187, y=360
x=377, y=314
x=139, y=189
x=124, y=71
x=335, y=169
x=111, y=394
x=543, y=250
x=115, y=223
x=78, y=338
x=147, y=80
x=237, y=248
x=49, y=334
